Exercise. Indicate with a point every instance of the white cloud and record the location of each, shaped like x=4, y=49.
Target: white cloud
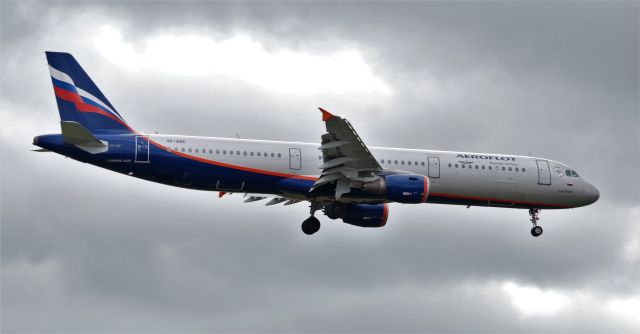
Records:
x=628, y=308
x=531, y=300
x=242, y=58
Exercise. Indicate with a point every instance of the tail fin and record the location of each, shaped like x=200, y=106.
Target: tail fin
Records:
x=79, y=99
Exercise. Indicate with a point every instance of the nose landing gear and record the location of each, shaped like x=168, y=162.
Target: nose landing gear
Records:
x=536, y=230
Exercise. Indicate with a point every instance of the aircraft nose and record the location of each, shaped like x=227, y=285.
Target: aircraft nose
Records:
x=591, y=193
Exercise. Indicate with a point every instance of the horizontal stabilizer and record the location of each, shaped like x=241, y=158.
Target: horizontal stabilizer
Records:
x=75, y=134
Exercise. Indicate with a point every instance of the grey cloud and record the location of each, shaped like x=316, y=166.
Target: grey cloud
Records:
x=84, y=249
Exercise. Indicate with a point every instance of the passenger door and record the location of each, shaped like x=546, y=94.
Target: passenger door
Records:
x=544, y=173
x=433, y=167
x=142, y=149
x=295, y=159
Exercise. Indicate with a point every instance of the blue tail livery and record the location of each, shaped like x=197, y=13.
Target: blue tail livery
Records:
x=339, y=175
x=79, y=99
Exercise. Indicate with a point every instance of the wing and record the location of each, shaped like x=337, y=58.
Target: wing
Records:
x=345, y=157
x=275, y=199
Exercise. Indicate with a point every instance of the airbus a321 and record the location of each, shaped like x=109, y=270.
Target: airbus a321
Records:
x=339, y=176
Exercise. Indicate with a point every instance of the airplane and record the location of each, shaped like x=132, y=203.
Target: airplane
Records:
x=340, y=176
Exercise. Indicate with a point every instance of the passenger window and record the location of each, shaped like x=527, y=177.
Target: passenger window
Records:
x=217, y=151
x=265, y=154
x=416, y=163
x=224, y=151
x=402, y=162
x=523, y=169
x=503, y=168
x=244, y=153
x=462, y=166
x=395, y=161
x=258, y=153
x=409, y=163
x=237, y=152
x=490, y=168
x=197, y=151
x=509, y=168
x=189, y=149
x=272, y=155
x=230, y=152
x=456, y=165
x=449, y=165
x=251, y=153
x=517, y=170
x=279, y=155
x=210, y=151
x=182, y=149
x=477, y=167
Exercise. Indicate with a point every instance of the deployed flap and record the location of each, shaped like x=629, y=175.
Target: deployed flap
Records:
x=75, y=134
x=345, y=156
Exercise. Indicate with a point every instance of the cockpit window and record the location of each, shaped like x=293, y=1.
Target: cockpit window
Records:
x=573, y=172
x=567, y=172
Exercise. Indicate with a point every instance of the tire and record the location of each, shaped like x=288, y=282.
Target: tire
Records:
x=536, y=231
x=310, y=226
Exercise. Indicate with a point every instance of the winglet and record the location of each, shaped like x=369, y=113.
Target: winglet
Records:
x=325, y=114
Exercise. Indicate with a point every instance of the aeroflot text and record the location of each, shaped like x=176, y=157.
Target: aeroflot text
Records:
x=485, y=157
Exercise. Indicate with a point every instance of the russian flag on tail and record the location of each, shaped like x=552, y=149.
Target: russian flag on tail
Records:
x=79, y=99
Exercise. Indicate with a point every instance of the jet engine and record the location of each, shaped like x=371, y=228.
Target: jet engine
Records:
x=400, y=188
x=363, y=215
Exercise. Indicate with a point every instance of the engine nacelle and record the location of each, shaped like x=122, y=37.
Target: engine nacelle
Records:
x=363, y=215
x=407, y=188
x=401, y=188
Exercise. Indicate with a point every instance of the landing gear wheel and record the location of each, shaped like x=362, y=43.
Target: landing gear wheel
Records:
x=311, y=225
x=536, y=231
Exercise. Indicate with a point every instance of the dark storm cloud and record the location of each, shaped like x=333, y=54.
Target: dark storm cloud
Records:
x=84, y=249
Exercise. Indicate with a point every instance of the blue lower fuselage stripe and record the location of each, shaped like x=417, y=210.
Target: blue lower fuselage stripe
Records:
x=169, y=168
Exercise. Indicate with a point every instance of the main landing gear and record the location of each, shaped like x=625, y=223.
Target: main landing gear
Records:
x=311, y=225
x=536, y=230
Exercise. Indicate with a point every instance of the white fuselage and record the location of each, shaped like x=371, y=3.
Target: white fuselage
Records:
x=455, y=177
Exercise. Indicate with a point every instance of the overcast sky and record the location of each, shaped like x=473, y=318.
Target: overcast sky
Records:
x=88, y=250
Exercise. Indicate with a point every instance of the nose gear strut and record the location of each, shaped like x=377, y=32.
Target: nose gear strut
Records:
x=536, y=230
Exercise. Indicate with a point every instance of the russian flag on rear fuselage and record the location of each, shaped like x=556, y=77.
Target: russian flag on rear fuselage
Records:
x=79, y=99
